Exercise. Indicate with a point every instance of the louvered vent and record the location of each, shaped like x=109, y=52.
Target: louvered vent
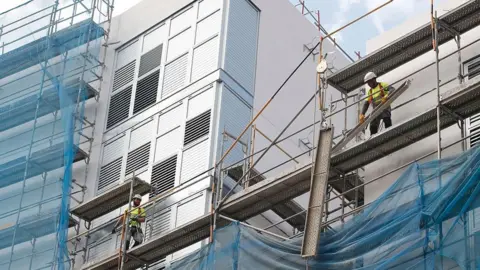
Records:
x=109, y=174
x=158, y=224
x=119, y=107
x=150, y=60
x=146, y=93
x=163, y=176
x=474, y=130
x=123, y=76
x=137, y=158
x=197, y=127
x=473, y=67
x=175, y=76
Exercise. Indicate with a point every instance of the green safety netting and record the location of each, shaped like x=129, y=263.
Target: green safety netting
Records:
x=428, y=219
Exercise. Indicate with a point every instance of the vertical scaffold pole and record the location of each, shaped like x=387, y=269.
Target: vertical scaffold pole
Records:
x=126, y=221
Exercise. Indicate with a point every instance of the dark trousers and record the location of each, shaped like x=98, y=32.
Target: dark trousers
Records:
x=375, y=123
x=133, y=231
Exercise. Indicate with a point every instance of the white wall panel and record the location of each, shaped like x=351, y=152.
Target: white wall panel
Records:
x=194, y=161
x=206, y=7
x=179, y=44
x=112, y=150
x=182, y=21
x=141, y=135
x=235, y=115
x=205, y=59
x=154, y=38
x=102, y=249
x=241, y=45
x=208, y=27
x=175, y=76
x=200, y=103
x=168, y=144
x=126, y=55
x=188, y=210
x=170, y=119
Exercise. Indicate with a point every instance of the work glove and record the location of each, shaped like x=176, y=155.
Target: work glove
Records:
x=114, y=230
x=362, y=118
x=384, y=99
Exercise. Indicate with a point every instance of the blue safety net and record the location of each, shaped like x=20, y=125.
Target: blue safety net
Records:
x=45, y=85
x=428, y=219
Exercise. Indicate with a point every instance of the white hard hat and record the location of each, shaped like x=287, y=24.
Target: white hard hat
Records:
x=370, y=75
x=137, y=196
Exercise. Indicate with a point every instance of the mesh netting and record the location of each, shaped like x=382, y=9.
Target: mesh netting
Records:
x=428, y=219
x=44, y=85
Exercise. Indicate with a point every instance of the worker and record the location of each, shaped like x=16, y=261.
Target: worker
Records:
x=137, y=217
x=377, y=95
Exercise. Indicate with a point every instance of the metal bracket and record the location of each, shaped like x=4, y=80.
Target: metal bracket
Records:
x=452, y=113
x=449, y=28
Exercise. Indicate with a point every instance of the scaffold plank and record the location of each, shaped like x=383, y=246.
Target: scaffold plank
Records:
x=408, y=47
x=41, y=161
x=48, y=47
x=23, y=110
x=110, y=200
x=318, y=192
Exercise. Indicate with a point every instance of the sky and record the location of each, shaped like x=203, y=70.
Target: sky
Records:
x=333, y=14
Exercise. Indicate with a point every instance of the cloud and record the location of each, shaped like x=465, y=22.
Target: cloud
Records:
x=340, y=17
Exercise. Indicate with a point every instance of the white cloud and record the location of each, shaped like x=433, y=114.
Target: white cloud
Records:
x=394, y=12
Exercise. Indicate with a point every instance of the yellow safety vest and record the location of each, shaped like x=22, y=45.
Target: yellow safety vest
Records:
x=137, y=212
x=376, y=94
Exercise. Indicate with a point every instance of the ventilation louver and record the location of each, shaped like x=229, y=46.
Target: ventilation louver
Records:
x=163, y=176
x=197, y=127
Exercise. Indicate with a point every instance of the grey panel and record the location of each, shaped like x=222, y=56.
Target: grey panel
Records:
x=141, y=134
x=101, y=249
x=163, y=176
x=190, y=209
x=138, y=158
x=175, y=76
x=146, y=93
x=123, y=76
x=195, y=161
x=197, y=127
x=158, y=223
x=406, y=48
x=119, y=107
x=150, y=60
x=109, y=174
x=110, y=200
x=112, y=150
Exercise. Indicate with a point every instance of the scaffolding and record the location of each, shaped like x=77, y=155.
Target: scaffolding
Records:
x=51, y=66
x=238, y=204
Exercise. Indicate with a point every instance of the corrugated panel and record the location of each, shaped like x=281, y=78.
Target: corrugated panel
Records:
x=235, y=116
x=158, y=224
x=197, y=127
x=146, y=93
x=206, y=7
x=101, y=249
x=163, y=176
x=168, y=144
x=160, y=265
x=205, y=59
x=113, y=150
x=241, y=47
x=109, y=174
x=195, y=161
x=473, y=67
x=181, y=21
x=175, y=76
x=200, y=103
x=474, y=129
x=124, y=76
x=208, y=27
x=126, y=55
x=150, y=60
x=119, y=107
x=190, y=209
x=170, y=119
x=179, y=44
x=137, y=158
x=141, y=135
x=154, y=38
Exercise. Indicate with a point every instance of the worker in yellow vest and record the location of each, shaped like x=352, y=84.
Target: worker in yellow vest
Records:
x=137, y=217
x=377, y=95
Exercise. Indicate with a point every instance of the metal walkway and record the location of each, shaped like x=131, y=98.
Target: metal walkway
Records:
x=407, y=48
x=463, y=101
